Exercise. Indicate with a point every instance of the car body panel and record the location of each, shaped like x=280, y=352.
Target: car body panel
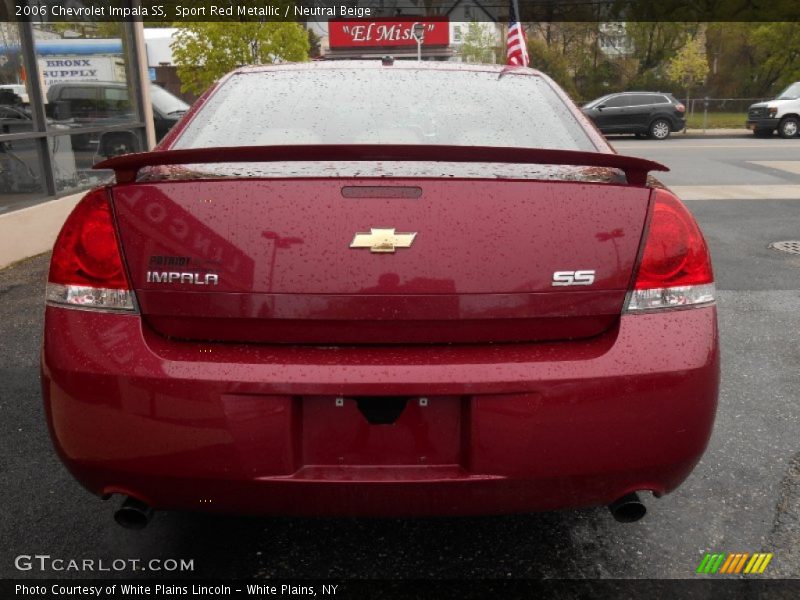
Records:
x=256, y=429
x=612, y=115
x=641, y=113
x=480, y=269
x=276, y=389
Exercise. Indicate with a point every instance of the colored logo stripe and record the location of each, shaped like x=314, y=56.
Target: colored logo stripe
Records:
x=710, y=563
x=734, y=564
x=737, y=563
x=758, y=563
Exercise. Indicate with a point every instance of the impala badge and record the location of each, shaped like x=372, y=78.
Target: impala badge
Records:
x=176, y=277
x=383, y=240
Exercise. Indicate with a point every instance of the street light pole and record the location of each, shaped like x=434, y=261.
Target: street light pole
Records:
x=419, y=35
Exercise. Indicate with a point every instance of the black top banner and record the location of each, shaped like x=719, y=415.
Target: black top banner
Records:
x=172, y=11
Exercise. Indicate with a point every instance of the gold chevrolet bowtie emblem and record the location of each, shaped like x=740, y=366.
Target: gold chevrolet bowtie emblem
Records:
x=382, y=240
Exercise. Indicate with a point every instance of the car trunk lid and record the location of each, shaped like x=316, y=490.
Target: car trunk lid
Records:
x=299, y=260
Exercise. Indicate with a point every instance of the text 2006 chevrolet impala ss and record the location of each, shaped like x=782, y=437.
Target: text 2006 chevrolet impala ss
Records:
x=374, y=288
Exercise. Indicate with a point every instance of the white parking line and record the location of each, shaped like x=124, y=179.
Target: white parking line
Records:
x=737, y=192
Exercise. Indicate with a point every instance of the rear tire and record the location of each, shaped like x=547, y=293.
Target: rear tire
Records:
x=789, y=127
x=660, y=129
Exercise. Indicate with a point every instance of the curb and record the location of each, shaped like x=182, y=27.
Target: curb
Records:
x=714, y=133
x=693, y=134
x=30, y=231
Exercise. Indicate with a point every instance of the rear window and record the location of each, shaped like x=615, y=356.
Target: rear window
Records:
x=657, y=99
x=115, y=94
x=79, y=93
x=385, y=106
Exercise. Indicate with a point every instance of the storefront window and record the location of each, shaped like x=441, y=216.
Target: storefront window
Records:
x=15, y=115
x=84, y=74
x=67, y=99
x=73, y=158
x=21, y=176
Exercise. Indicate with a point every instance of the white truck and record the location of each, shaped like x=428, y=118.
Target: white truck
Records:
x=781, y=113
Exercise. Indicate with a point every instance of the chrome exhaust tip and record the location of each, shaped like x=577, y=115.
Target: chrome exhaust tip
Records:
x=133, y=514
x=627, y=509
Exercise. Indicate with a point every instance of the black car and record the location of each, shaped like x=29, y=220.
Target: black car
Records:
x=14, y=119
x=647, y=114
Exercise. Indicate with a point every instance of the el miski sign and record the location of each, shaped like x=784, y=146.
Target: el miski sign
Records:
x=374, y=33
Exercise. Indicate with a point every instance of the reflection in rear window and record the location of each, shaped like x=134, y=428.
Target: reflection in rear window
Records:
x=79, y=93
x=385, y=106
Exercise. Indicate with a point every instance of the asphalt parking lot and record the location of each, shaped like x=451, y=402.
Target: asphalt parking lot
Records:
x=743, y=497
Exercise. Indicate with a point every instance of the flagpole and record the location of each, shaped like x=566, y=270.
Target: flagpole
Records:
x=519, y=20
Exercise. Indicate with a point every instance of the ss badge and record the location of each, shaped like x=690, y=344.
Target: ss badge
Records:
x=573, y=277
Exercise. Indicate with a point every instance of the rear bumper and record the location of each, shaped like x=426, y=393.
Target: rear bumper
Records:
x=257, y=429
x=678, y=123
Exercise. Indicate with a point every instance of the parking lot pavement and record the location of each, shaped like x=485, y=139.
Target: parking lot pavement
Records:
x=712, y=162
x=743, y=497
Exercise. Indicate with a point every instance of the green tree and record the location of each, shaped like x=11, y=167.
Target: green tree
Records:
x=480, y=44
x=778, y=50
x=752, y=60
x=732, y=59
x=204, y=52
x=550, y=61
x=655, y=43
x=314, y=44
x=689, y=66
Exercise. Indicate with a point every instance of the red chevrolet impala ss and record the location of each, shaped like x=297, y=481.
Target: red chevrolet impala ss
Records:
x=380, y=288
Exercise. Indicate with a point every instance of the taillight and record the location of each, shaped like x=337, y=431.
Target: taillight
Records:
x=86, y=268
x=675, y=268
x=680, y=107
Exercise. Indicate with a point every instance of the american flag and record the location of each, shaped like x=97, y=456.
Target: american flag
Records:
x=517, y=51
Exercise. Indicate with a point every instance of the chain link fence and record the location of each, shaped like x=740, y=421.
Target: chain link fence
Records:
x=718, y=105
x=716, y=113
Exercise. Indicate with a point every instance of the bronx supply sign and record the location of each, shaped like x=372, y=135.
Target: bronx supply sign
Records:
x=74, y=68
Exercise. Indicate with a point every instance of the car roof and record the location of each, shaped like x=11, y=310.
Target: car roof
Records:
x=333, y=65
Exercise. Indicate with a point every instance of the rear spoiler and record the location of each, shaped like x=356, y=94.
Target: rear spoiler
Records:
x=127, y=166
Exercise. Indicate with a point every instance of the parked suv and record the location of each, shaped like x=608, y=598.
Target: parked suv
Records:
x=90, y=103
x=647, y=114
x=782, y=113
